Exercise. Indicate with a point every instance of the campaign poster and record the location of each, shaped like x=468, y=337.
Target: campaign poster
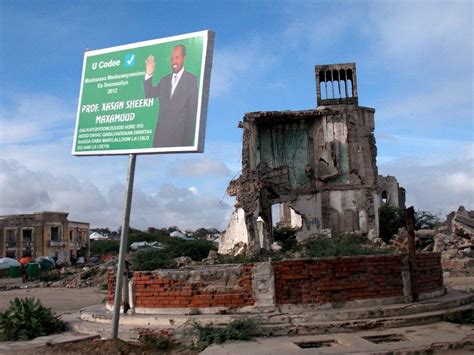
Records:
x=146, y=97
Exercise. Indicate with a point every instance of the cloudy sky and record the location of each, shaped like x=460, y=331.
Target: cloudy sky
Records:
x=414, y=65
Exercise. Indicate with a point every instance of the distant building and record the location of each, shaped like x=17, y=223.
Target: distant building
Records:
x=98, y=236
x=43, y=234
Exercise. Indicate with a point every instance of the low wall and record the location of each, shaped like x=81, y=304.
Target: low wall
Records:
x=296, y=281
x=340, y=279
x=429, y=276
x=215, y=286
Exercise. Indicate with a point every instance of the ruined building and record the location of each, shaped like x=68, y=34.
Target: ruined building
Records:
x=319, y=165
x=43, y=234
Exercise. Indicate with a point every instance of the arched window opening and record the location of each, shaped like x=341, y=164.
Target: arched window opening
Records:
x=349, y=88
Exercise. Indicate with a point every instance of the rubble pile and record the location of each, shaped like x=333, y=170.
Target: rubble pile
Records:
x=87, y=276
x=454, y=240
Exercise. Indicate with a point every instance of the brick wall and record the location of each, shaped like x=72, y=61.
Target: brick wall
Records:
x=223, y=286
x=338, y=279
x=429, y=272
x=111, y=278
x=299, y=281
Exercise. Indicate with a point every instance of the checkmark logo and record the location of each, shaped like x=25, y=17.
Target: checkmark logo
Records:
x=129, y=60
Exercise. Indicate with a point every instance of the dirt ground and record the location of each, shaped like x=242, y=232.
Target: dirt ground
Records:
x=61, y=300
x=101, y=347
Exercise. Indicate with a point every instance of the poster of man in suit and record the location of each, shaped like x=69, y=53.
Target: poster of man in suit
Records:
x=178, y=100
x=146, y=97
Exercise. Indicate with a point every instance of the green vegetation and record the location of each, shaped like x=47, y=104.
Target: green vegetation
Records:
x=390, y=220
x=27, y=319
x=341, y=245
x=286, y=237
x=152, y=259
x=241, y=329
x=159, y=342
x=104, y=247
x=426, y=220
x=466, y=317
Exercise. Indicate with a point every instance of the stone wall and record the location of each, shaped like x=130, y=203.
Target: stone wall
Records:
x=299, y=281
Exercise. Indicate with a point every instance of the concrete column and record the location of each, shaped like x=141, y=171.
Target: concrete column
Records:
x=263, y=284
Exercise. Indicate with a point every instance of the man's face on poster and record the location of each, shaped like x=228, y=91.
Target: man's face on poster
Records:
x=177, y=59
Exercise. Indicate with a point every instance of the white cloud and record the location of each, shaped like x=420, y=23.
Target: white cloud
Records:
x=33, y=118
x=199, y=167
x=241, y=63
x=423, y=33
x=440, y=188
x=24, y=190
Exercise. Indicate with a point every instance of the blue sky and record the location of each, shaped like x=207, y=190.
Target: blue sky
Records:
x=414, y=65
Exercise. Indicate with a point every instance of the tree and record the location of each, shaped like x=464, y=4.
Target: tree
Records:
x=390, y=220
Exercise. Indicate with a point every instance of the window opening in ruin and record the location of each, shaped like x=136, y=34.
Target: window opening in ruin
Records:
x=27, y=235
x=335, y=78
x=71, y=235
x=55, y=234
x=11, y=238
x=276, y=208
x=323, y=90
x=384, y=197
x=343, y=89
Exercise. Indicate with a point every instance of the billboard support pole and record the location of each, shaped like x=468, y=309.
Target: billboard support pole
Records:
x=123, y=246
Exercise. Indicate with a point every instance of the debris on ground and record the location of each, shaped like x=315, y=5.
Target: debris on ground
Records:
x=454, y=239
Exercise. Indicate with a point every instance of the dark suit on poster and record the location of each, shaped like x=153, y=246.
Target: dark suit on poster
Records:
x=177, y=114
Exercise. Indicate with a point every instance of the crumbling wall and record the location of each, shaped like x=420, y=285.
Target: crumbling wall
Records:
x=321, y=163
x=389, y=192
x=42, y=243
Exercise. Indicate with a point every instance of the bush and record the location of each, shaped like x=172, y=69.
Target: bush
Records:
x=466, y=317
x=156, y=341
x=340, y=246
x=152, y=259
x=104, y=247
x=390, y=220
x=27, y=319
x=426, y=220
x=286, y=237
x=241, y=329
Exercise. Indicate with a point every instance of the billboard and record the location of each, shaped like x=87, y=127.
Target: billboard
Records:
x=146, y=97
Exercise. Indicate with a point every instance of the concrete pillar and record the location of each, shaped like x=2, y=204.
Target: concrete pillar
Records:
x=263, y=284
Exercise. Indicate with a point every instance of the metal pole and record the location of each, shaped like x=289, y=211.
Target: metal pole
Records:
x=123, y=246
x=412, y=251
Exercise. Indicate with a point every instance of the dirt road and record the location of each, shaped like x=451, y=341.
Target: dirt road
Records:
x=60, y=299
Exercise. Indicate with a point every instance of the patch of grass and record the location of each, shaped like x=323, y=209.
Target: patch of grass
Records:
x=341, y=245
x=27, y=319
x=241, y=329
x=156, y=341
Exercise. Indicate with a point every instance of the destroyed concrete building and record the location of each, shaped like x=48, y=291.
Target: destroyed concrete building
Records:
x=43, y=234
x=319, y=165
